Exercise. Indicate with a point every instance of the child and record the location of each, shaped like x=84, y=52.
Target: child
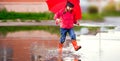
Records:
x=66, y=19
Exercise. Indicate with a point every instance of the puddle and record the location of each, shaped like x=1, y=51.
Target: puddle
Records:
x=33, y=46
x=25, y=44
x=40, y=45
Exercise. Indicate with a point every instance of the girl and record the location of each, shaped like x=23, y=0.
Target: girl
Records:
x=66, y=18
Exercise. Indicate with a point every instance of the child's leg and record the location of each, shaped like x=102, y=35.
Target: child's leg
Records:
x=72, y=34
x=73, y=38
x=63, y=33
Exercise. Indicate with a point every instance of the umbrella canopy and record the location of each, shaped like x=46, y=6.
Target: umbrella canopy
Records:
x=56, y=5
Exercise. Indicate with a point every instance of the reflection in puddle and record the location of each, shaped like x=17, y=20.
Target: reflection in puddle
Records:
x=39, y=53
x=42, y=46
x=32, y=46
x=6, y=53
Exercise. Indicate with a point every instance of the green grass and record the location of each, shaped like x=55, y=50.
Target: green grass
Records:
x=4, y=15
x=6, y=29
x=111, y=13
x=52, y=29
x=92, y=17
x=24, y=16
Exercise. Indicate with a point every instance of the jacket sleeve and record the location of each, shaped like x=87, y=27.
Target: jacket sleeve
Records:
x=56, y=16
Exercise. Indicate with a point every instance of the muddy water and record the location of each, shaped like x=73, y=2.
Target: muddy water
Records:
x=25, y=45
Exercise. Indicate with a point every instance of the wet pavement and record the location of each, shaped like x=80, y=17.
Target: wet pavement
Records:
x=36, y=46
x=26, y=45
x=100, y=47
x=30, y=45
x=108, y=21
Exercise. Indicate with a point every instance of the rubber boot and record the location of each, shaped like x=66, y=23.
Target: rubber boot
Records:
x=76, y=47
x=60, y=48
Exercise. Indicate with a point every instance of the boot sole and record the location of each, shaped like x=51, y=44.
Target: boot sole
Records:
x=78, y=48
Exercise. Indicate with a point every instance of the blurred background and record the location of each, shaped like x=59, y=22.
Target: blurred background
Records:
x=93, y=10
x=28, y=32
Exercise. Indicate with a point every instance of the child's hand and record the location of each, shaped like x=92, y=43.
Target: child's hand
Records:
x=58, y=21
x=78, y=23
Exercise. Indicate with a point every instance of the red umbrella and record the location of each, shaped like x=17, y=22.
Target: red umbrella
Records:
x=56, y=5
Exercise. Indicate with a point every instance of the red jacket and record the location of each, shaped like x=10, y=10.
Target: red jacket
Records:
x=67, y=19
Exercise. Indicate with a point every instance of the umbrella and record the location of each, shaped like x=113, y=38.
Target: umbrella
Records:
x=55, y=5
